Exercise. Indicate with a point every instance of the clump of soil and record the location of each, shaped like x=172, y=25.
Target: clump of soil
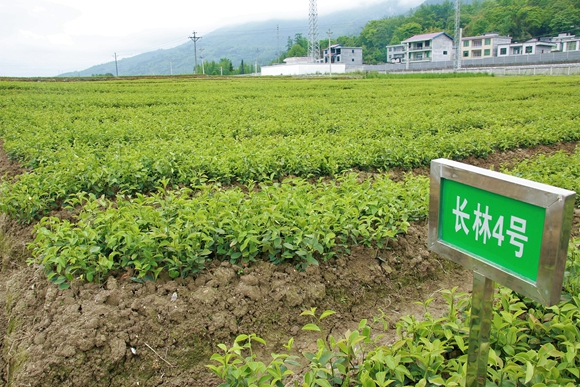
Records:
x=123, y=333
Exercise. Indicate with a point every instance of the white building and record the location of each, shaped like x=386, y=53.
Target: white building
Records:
x=303, y=68
x=530, y=47
x=348, y=55
x=564, y=42
x=341, y=59
x=484, y=46
x=571, y=45
x=396, y=53
x=432, y=47
x=429, y=47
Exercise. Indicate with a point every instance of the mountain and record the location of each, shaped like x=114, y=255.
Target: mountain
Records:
x=255, y=41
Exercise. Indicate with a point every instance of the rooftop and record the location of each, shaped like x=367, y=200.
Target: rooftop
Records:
x=422, y=37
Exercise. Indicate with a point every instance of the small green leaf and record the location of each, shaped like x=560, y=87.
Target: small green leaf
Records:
x=310, y=312
x=529, y=372
x=327, y=313
x=258, y=339
x=322, y=382
x=58, y=280
x=437, y=380
x=311, y=327
x=64, y=286
x=362, y=323
x=390, y=360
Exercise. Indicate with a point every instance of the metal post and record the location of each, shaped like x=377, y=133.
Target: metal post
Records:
x=329, y=53
x=457, y=36
x=408, y=56
x=479, y=328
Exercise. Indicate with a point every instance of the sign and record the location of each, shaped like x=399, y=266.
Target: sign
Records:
x=510, y=230
x=499, y=230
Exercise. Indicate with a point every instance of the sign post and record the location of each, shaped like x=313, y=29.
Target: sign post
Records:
x=479, y=329
x=505, y=229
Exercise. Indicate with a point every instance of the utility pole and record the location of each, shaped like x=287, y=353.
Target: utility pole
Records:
x=195, y=38
x=116, y=66
x=201, y=55
x=408, y=54
x=256, y=63
x=457, y=37
x=170, y=67
x=329, y=54
x=278, y=37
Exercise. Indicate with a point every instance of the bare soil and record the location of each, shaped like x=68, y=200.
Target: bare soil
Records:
x=162, y=333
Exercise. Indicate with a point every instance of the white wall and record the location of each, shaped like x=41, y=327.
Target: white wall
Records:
x=303, y=69
x=438, y=46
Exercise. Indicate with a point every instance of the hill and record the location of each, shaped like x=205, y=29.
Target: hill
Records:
x=259, y=41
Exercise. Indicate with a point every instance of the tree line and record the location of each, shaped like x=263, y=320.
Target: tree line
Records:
x=225, y=67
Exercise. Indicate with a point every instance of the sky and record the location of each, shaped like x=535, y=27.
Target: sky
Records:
x=51, y=37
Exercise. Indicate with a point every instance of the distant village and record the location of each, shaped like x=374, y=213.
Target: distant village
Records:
x=439, y=47
x=432, y=48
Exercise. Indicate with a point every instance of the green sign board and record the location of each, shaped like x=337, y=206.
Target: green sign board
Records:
x=498, y=229
x=510, y=230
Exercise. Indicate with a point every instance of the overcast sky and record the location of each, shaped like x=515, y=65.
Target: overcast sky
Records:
x=50, y=37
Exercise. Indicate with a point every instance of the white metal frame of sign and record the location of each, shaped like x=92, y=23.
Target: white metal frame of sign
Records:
x=558, y=204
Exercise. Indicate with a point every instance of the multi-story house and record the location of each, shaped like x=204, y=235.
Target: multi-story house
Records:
x=564, y=42
x=571, y=45
x=396, y=53
x=432, y=47
x=484, y=46
x=346, y=55
x=530, y=47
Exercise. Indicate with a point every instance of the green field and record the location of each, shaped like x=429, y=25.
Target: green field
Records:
x=169, y=174
x=260, y=168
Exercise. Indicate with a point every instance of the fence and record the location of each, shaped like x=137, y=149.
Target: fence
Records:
x=557, y=63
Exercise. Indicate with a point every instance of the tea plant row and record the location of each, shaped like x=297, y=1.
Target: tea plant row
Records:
x=104, y=138
x=294, y=220
x=560, y=169
x=178, y=231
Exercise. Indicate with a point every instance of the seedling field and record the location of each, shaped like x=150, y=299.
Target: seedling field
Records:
x=166, y=181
